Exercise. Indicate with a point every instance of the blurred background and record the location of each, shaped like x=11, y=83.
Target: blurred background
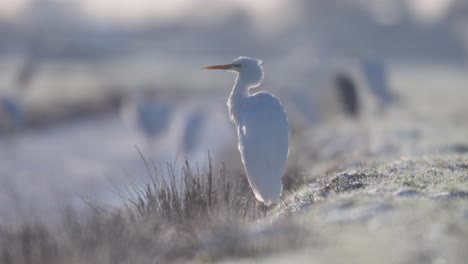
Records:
x=87, y=84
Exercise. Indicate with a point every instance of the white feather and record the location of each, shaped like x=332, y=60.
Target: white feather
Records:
x=262, y=130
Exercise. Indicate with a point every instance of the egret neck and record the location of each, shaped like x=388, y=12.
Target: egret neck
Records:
x=239, y=93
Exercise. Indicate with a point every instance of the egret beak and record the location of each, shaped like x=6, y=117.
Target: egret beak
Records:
x=218, y=67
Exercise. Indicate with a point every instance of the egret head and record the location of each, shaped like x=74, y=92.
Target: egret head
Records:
x=250, y=70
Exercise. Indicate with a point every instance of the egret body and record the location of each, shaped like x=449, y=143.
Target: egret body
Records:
x=12, y=112
x=375, y=74
x=11, y=106
x=194, y=123
x=262, y=129
x=148, y=114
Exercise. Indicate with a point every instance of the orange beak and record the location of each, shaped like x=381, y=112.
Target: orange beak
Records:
x=218, y=67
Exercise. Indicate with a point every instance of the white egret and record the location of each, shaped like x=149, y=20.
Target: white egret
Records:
x=262, y=129
x=375, y=74
x=305, y=112
x=12, y=113
x=193, y=129
x=150, y=115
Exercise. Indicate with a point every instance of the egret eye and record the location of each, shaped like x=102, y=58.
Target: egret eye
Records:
x=236, y=65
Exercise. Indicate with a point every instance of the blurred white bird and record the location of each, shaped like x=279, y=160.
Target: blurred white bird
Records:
x=375, y=74
x=149, y=114
x=11, y=106
x=304, y=105
x=193, y=129
x=262, y=129
x=12, y=113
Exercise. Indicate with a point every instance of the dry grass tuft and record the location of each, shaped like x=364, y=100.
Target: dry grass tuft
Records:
x=168, y=219
x=195, y=197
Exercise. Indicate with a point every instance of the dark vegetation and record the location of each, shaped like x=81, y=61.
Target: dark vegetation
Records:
x=171, y=218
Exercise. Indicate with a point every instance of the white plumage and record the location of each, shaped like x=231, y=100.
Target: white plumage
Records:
x=12, y=113
x=375, y=74
x=150, y=115
x=262, y=129
x=263, y=144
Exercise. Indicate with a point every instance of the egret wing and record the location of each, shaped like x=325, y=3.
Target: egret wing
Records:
x=264, y=145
